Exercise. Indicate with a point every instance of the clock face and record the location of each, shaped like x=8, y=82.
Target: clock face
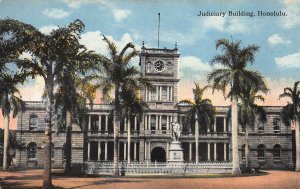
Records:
x=159, y=66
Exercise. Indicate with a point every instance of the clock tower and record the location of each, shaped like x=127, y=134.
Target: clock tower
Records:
x=160, y=66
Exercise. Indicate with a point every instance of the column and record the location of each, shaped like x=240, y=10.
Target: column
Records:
x=146, y=92
x=190, y=152
x=149, y=124
x=145, y=151
x=168, y=150
x=160, y=89
x=208, y=151
x=134, y=151
x=125, y=151
x=225, y=127
x=149, y=151
x=215, y=151
x=215, y=125
x=135, y=123
x=160, y=123
x=106, y=122
x=90, y=122
x=168, y=94
x=149, y=95
x=156, y=93
x=145, y=123
x=89, y=151
x=156, y=126
x=168, y=127
x=99, y=125
x=125, y=124
x=128, y=142
x=171, y=94
x=99, y=150
x=225, y=152
x=105, y=152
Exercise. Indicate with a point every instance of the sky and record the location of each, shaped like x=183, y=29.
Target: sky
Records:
x=136, y=21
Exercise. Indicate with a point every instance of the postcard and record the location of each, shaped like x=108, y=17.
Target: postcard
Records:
x=149, y=94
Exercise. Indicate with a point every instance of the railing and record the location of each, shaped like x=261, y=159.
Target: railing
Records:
x=160, y=51
x=96, y=167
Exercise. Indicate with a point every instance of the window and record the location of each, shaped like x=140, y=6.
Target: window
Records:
x=31, y=151
x=64, y=148
x=169, y=67
x=243, y=152
x=261, y=152
x=260, y=127
x=33, y=122
x=276, y=152
x=153, y=122
x=164, y=123
x=276, y=125
x=94, y=123
x=148, y=68
x=164, y=94
x=153, y=95
x=52, y=151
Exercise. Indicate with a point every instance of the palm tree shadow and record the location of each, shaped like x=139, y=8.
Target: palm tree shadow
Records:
x=108, y=181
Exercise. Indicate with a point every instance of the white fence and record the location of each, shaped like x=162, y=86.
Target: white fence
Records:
x=154, y=168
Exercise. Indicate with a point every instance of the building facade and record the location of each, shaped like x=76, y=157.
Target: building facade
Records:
x=149, y=138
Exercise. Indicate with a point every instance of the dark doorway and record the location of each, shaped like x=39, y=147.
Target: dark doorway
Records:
x=158, y=154
x=220, y=151
x=94, y=150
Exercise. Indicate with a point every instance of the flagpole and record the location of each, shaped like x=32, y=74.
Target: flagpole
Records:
x=158, y=30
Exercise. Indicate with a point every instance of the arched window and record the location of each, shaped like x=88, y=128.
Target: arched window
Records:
x=52, y=151
x=153, y=122
x=243, y=151
x=169, y=67
x=164, y=93
x=276, y=151
x=260, y=127
x=261, y=152
x=148, y=67
x=31, y=150
x=33, y=122
x=153, y=94
x=276, y=125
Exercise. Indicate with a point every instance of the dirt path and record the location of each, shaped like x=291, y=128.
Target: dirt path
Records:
x=274, y=179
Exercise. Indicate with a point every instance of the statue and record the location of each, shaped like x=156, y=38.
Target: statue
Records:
x=176, y=131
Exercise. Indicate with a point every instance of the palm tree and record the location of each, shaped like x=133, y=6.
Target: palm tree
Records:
x=10, y=102
x=70, y=100
x=235, y=76
x=121, y=78
x=132, y=105
x=291, y=112
x=247, y=115
x=202, y=113
x=11, y=46
x=74, y=64
x=46, y=51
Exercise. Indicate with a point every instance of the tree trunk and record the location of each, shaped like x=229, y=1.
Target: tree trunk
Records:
x=235, y=149
x=68, y=143
x=297, y=168
x=6, y=143
x=197, y=138
x=117, y=121
x=247, y=147
x=47, y=180
x=129, y=140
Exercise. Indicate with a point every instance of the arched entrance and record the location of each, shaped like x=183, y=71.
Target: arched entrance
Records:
x=158, y=154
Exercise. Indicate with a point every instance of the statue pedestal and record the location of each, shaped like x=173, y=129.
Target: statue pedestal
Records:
x=175, y=153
